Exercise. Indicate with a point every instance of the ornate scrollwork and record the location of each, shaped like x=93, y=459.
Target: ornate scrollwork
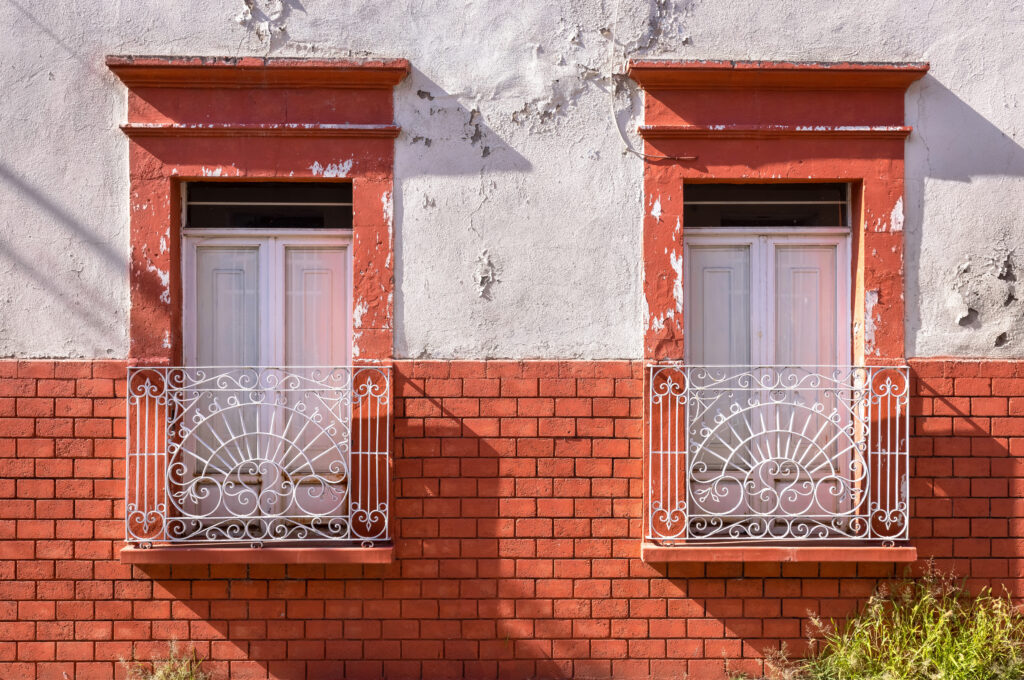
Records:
x=777, y=452
x=257, y=455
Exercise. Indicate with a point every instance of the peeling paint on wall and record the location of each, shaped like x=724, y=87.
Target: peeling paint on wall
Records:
x=984, y=297
x=544, y=179
x=485, y=274
x=267, y=19
x=896, y=216
x=870, y=322
x=656, y=209
x=676, y=260
x=337, y=169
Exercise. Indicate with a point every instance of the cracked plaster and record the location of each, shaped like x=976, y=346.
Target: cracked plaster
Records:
x=509, y=145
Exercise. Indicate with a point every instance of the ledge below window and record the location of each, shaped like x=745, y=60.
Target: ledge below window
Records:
x=652, y=552
x=180, y=554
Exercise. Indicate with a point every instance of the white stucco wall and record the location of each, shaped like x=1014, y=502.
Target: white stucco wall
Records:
x=509, y=147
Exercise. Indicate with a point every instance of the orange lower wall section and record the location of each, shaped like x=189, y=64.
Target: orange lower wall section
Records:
x=517, y=514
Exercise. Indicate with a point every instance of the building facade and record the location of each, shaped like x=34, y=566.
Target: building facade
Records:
x=574, y=340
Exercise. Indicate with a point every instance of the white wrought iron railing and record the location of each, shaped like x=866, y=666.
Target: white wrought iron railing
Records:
x=253, y=455
x=780, y=453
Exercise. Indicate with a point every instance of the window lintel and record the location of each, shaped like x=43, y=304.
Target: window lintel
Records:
x=713, y=75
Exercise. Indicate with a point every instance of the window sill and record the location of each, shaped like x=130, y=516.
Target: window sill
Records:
x=652, y=552
x=182, y=554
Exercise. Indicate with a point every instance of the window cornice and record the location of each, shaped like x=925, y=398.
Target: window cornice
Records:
x=256, y=72
x=788, y=75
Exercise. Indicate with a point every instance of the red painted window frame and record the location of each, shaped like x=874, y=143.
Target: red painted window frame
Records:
x=209, y=119
x=206, y=119
x=727, y=121
x=778, y=122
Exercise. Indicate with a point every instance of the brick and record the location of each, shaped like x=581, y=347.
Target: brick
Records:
x=34, y=407
x=17, y=387
x=557, y=387
x=556, y=427
x=94, y=387
x=481, y=387
x=972, y=387
x=535, y=407
x=519, y=387
x=595, y=387
x=17, y=427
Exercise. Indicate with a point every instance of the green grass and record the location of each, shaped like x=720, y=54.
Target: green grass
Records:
x=186, y=666
x=922, y=629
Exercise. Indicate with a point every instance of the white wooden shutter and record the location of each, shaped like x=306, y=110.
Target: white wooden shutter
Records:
x=806, y=308
x=718, y=332
x=228, y=305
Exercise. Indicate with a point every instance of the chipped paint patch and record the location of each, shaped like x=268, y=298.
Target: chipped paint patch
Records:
x=386, y=205
x=870, y=322
x=656, y=209
x=165, y=281
x=338, y=169
x=357, y=313
x=676, y=261
x=896, y=216
x=658, y=322
x=485, y=274
x=212, y=172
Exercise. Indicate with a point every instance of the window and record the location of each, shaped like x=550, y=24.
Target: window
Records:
x=267, y=274
x=773, y=278
x=772, y=424
x=262, y=445
x=767, y=272
x=252, y=296
x=767, y=322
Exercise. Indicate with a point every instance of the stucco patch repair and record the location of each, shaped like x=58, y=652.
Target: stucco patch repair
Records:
x=485, y=275
x=984, y=297
x=338, y=169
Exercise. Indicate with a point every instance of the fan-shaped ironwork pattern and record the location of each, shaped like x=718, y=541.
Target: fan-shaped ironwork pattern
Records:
x=257, y=454
x=777, y=453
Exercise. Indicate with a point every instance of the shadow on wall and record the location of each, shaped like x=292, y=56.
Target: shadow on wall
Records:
x=39, y=269
x=440, y=138
x=952, y=142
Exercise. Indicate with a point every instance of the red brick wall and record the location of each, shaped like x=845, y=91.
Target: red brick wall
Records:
x=517, y=515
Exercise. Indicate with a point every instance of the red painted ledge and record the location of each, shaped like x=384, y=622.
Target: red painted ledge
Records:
x=773, y=131
x=684, y=75
x=259, y=130
x=652, y=552
x=256, y=72
x=180, y=554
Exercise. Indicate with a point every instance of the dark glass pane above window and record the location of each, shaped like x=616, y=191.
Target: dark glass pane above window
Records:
x=269, y=205
x=766, y=205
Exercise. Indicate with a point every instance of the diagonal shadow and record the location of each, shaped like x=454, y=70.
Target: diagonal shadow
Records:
x=43, y=28
x=36, y=269
x=951, y=142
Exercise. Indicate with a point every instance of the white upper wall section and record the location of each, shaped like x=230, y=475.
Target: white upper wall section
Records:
x=517, y=209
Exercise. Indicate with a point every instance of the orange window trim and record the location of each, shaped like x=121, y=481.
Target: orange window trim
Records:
x=193, y=118
x=726, y=121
